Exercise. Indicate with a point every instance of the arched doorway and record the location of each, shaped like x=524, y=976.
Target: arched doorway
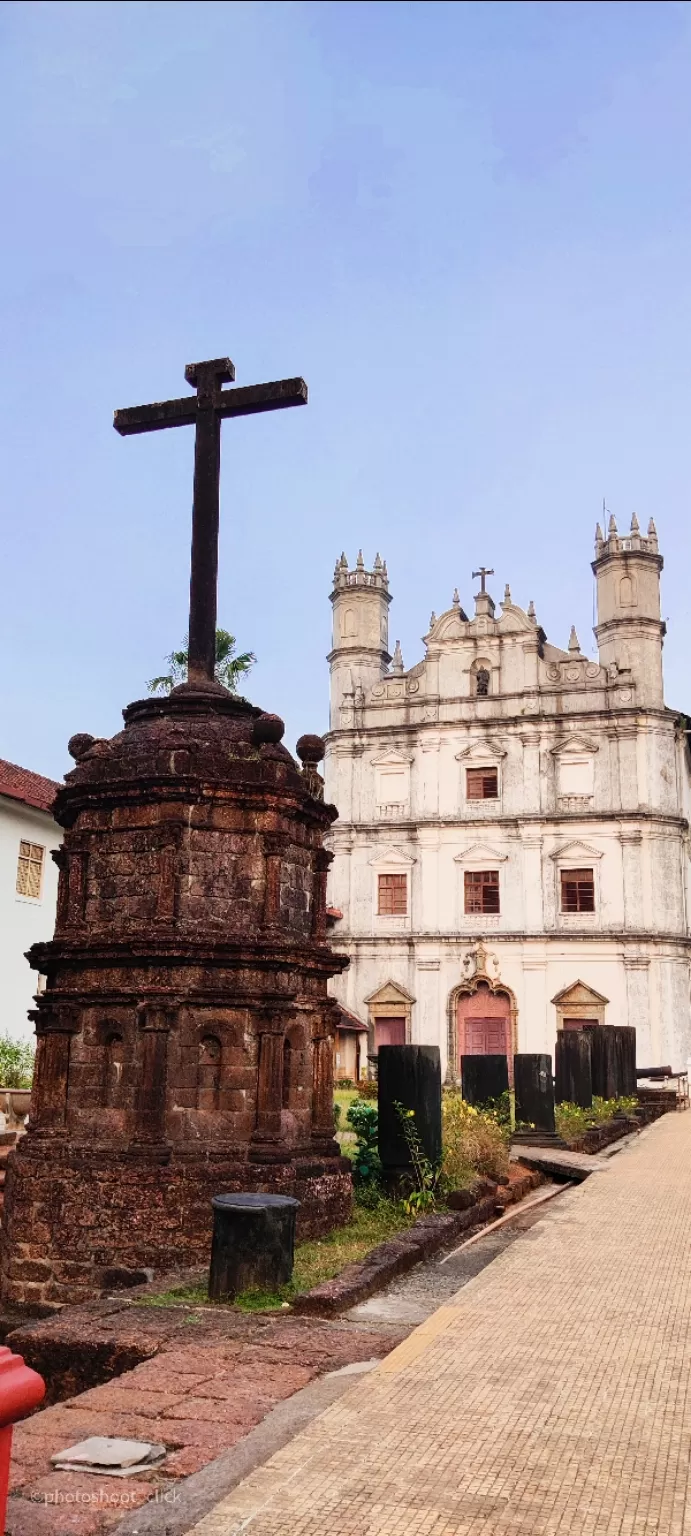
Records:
x=484, y=1024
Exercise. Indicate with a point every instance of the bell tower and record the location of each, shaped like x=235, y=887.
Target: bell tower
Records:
x=629, y=630
x=360, y=654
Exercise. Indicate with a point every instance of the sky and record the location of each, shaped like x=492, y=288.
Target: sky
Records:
x=468, y=226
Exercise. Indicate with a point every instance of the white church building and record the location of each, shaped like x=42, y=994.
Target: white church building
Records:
x=512, y=851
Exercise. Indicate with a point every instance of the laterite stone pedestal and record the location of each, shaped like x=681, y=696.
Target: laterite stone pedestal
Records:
x=185, y=1036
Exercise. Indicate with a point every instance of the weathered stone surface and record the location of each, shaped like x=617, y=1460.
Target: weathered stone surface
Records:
x=409, y=1075
x=484, y=1079
x=604, y=1059
x=573, y=1069
x=534, y=1091
x=185, y=1034
x=253, y=1244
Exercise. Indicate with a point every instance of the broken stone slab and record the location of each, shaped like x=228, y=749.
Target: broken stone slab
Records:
x=109, y=1457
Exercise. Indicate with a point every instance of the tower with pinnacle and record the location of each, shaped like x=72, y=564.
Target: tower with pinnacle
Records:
x=359, y=655
x=629, y=630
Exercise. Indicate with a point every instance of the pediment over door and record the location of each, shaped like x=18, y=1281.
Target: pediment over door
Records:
x=579, y=994
x=392, y=993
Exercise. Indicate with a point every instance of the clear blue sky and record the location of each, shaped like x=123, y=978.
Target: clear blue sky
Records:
x=467, y=225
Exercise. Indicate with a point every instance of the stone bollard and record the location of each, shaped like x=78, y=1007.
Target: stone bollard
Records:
x=625, y=1048
x=484, y=1079
x=21, y=1390
x=605, y=1060
x=409, y=1075
x=253, y=1244
x=573, y=1072
x=534, y=1084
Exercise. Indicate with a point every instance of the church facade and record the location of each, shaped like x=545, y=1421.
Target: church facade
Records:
x=511, y=856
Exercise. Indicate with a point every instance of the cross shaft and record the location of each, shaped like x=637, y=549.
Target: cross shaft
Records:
x=205, y=412
x=482, y=573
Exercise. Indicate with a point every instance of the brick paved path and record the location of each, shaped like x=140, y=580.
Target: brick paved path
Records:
x=551, y=1395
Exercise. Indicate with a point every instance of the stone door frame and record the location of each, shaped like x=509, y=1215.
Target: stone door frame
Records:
x=467, y=989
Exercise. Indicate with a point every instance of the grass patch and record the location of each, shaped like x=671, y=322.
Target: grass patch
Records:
x=317, y=1260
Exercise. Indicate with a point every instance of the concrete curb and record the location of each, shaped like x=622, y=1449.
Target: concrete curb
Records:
x=357, y=1282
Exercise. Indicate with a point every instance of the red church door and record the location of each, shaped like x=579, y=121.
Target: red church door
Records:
x=389, y=1032
x=484, y=1025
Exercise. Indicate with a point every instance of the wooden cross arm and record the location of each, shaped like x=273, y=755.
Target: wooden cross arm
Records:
x=227, y=402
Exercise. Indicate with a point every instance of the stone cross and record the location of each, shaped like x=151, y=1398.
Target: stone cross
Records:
x=482, y=573
x=205, y=413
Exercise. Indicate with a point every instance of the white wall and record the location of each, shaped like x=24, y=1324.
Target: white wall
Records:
x=23, y=921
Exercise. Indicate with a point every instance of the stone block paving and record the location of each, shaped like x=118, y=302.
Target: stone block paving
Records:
x=198, y=1399
x=550, y=1397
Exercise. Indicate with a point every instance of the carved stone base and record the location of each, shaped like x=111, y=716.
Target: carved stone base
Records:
x=76, y=1213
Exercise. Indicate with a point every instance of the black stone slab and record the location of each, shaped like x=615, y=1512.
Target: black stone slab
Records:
x=484, y=1079
x=253, y=1243
x=534, y=1087
x=625, y=1044
x=409, y=1075
x=604, y=1061
x=572, y=1068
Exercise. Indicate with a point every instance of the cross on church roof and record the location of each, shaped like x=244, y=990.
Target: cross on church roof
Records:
x=205, y=412
x=482, y=573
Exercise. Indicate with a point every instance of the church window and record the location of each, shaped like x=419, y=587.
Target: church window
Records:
x=577, y=890
x=393, y=895
x=209, y=1073
x=626, y=597
x=30, y=870
x=482, y=682
x=481, y=890
x=482, y=783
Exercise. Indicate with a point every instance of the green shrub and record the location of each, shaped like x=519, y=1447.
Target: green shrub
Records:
x=572, y=1122
x=16, y=1062
x=367, y=1089
x=364, y=1120
x=473, y=1140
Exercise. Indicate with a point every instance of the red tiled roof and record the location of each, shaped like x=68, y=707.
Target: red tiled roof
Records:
x=332, y=914
x=31, y=788
x=350, y=1020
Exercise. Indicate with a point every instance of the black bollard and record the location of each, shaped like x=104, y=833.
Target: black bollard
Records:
x=625, y=1050
x=605, y=1065
x=573, y=1073
x=409, y=1075
x=534, y=1086
x=253, y=1244
x=484, y=1079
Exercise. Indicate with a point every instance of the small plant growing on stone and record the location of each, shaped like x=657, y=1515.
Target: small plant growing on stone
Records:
x=426, y=1174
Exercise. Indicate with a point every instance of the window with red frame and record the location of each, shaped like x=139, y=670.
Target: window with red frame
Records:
x=577, y=890
x=393, y=895
x=481, y=784
x=481, y=890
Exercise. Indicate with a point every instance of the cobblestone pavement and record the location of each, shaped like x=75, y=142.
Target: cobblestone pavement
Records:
x=551, y=1395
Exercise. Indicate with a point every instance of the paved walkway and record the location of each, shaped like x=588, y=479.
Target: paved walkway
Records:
x=552, y=1394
